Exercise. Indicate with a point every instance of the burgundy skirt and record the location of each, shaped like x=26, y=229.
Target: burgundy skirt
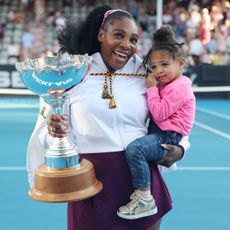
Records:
x=100, y=212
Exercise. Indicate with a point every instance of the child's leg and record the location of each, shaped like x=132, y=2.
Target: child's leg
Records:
x=138, y=154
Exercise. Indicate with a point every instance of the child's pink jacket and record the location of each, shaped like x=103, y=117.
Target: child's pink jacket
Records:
x=173, y=105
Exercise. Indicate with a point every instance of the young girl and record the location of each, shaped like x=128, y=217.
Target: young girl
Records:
x=171, y=103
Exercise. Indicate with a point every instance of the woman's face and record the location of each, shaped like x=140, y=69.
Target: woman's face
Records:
x=118, y=42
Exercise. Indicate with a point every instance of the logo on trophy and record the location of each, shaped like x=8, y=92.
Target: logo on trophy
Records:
x=63, y=177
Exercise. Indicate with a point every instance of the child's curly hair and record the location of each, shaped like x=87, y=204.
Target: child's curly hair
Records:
x=164, y=39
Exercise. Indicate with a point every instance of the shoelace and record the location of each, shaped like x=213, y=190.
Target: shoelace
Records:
x=132, y=205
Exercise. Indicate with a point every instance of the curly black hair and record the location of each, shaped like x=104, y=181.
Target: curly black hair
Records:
x=83, y=37
x=164, y=39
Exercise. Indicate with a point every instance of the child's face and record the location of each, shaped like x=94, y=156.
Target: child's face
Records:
x=164, y=67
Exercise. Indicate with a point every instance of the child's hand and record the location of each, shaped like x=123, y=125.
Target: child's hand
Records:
x=150, y=80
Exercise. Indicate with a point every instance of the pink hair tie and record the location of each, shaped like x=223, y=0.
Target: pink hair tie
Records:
x=109, y=12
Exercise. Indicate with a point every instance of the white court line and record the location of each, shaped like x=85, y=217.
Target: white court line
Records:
x=212, y=130
x=8, y=91
x=210, y=112
x=12, y=168
x=19, y=106
x=181, y=168
x=204, y=168
x=199, y=89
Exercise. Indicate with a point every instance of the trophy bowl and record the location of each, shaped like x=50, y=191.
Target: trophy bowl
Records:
x=63, y=177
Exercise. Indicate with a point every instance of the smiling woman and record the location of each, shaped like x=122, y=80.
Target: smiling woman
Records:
x=107, y=111
x=118, y=37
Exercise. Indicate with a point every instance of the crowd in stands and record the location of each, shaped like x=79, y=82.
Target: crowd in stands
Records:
x=28, y=28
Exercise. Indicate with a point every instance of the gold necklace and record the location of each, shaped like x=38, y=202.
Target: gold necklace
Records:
x=109, y=94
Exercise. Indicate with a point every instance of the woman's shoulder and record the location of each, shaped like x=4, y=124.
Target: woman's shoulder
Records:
x=137, y=59
x=136, y=63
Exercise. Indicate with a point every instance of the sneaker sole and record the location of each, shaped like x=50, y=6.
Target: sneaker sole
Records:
x=137, y=216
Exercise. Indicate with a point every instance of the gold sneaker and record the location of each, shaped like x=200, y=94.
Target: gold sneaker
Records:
x=138, y=207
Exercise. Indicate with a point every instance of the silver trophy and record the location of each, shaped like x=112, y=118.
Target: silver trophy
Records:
x=63, y=176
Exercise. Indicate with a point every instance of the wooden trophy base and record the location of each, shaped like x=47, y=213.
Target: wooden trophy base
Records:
x=65, y=185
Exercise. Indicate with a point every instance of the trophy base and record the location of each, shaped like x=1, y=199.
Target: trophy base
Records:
x=65, y=185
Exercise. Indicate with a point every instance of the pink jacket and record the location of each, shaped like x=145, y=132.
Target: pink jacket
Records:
x=173, y=105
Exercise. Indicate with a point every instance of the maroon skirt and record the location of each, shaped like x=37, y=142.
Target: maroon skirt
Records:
x=100, y=212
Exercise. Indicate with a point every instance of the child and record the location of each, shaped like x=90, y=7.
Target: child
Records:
x=171, y=103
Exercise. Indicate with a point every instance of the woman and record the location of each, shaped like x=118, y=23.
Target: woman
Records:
x=107, y=111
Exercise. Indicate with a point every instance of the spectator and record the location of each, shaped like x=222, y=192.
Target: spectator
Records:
x=212, y=46
x=192, y=25
x=180, y=24
x=2, y=30
x=228, y=43
x=196, y=50
x=13, y=50
x=220, y=39
x=134, y=8
x=143, y=17
x=218, y=58
x=60, y=21
x=27, y=42
x=39, y=11
x=144, y=43
x=11, y=16
x=205, y=31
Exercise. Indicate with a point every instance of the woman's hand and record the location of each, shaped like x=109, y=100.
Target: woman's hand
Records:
x=58, y=125
x=175, y=153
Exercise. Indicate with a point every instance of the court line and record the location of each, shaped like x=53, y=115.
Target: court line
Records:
x=19, y=106
x=210, y=112
x=210, y=88
x=12, y=168
x=182, y=168
x=16, y=91
x=204, y=168
x=212, y=130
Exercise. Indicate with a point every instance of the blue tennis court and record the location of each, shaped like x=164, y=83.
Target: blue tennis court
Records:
x=200, y=187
